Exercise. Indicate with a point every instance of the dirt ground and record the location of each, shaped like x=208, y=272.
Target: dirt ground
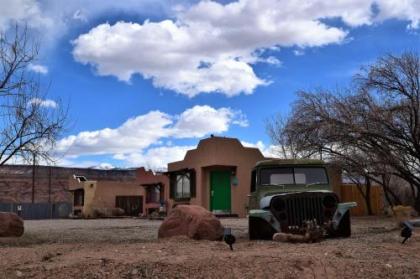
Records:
x=128, y=248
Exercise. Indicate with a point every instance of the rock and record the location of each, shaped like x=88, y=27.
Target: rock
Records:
x=19, y=273
x=11, y=225
x=192, y=221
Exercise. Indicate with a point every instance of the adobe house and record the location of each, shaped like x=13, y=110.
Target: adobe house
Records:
x=155, y=191
x=137, y=192
x=215, y=175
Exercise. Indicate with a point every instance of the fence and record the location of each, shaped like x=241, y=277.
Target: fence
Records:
x=349, y=192
x=33, y=211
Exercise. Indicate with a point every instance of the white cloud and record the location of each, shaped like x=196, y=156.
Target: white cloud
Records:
x=37, y=68
x=270, y=151
x=46, y=103
x=51, y=19
x=139, y=133
x=223, y=37
x=155, y=158
x=169, y=54
x=211, y=47
x=79, y=15
x=298, y=52
x=199, y=121
x=400, y=9
x=27, y=11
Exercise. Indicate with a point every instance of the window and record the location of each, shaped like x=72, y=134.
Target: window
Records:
x=182, y=185
x=154, y=193
x=311, y=176
x=183, y=189
x=302, y=175
x=277, y=176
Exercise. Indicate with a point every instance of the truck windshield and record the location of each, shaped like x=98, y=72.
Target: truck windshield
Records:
x=301, y=175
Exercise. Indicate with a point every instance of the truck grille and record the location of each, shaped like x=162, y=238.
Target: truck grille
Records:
x=294, y=209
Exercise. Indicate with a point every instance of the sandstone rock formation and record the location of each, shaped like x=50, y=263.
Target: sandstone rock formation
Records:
x=192, y=221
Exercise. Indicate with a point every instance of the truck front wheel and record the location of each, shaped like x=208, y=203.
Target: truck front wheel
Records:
x=344, y=228
x=260, y=229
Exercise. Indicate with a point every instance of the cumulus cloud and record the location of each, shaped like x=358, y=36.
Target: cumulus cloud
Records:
x=201, y=120
x=156, y=158
x=46, y=103
x=204, y=47
x=169, y=54
x=211, y=47
x=408, y=10
x=37, y=68
x=142, y=131
x=269, y=151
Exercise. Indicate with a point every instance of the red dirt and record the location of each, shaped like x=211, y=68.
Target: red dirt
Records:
x=374, y=251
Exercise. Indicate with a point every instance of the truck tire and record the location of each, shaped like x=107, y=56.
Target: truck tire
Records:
x=344, y=228
x=259, y=229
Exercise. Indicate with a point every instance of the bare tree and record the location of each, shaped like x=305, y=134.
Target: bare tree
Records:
x=27, y=127
x=374, y=128
x=286, y=148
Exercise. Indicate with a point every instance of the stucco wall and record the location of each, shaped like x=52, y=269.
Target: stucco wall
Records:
x=215, y=153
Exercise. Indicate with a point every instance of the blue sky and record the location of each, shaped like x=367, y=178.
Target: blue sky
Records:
x=146, y=80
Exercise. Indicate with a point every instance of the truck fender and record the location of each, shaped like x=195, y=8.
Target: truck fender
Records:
x=267, y=216
x=342, y=208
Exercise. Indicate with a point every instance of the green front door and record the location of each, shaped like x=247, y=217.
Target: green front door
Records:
x=220, y=191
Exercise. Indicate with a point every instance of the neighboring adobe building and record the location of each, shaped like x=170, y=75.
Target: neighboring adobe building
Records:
x=138, y=193
x=215, y=175
x=51, y=192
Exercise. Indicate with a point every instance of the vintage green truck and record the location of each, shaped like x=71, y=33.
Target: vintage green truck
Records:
x=285, y=194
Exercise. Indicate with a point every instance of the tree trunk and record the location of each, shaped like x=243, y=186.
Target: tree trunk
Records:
x=394, y=200
x=367, y=197
x=417, y=201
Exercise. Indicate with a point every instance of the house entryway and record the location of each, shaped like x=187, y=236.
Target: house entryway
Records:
x=220, y=191
x=132, y=205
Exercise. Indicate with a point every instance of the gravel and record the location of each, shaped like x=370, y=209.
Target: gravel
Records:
x=128, y=248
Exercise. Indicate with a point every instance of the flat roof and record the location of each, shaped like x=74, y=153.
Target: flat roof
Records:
x=282, y=162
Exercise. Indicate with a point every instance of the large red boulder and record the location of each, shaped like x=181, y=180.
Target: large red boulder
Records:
x=193, y=221
x=10, y=225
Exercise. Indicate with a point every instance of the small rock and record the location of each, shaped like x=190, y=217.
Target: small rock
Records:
x=134, y=271
x=388, y=265
x=11, y=225
x=103, y=261
x=19, y=273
